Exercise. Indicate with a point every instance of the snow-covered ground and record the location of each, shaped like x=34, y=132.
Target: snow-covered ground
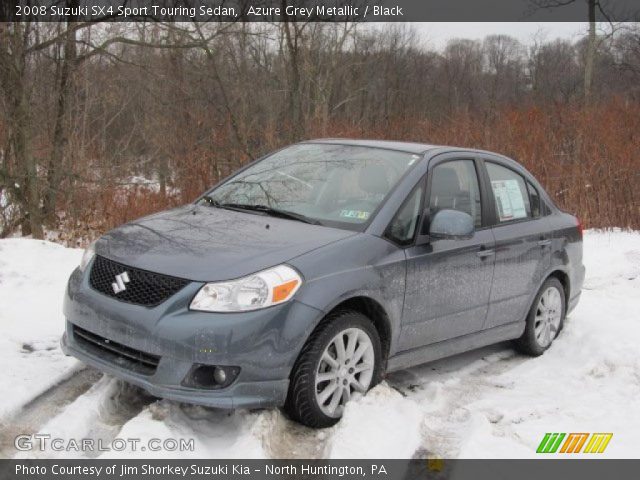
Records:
x=490, y=402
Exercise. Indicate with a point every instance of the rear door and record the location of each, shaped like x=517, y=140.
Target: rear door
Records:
x=522, y=247
x=449, y=281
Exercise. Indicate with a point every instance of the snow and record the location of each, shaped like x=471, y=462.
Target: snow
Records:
x=489, y=403
x=33, y=276
x=384, y=415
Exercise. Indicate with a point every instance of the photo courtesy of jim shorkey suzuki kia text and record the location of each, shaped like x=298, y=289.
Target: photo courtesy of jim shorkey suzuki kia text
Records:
x=374, y=239
x=177, y=471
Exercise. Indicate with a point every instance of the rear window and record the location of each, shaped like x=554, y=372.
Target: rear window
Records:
x=509, y=192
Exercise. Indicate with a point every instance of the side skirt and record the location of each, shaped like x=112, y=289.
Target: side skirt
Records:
x=447, y=348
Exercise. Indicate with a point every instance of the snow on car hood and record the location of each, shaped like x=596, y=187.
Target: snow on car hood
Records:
x=204, y=243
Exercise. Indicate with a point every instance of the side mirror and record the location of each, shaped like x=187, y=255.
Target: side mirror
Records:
x=451, y=224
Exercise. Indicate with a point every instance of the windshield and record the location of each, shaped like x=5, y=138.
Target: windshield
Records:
x=335, y=185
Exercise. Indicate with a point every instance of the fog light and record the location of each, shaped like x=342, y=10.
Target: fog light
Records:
x=210, y=376
x=220, y=376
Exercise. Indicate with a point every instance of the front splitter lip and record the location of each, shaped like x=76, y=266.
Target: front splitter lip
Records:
x=265, y=394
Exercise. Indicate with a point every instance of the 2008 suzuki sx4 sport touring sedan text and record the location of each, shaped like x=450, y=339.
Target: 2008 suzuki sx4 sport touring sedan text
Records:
x=302, y=278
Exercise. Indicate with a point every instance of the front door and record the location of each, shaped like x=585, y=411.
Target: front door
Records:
x=449, y=281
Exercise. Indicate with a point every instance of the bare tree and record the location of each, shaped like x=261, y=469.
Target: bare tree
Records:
x=15, y=44
x=593, y=7
x=84, y=109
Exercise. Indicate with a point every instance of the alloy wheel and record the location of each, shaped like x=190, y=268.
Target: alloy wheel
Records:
x=548, y=316
x=344, y=371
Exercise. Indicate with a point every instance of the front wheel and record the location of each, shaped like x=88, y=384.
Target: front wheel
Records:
x=339, y=362
x=545, y=319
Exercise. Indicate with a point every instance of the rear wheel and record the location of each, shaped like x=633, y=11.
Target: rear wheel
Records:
x=545, y=318
x=339, y=362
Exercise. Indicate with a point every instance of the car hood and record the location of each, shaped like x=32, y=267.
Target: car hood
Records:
x=204, y=243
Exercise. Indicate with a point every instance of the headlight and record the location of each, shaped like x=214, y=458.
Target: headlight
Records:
x=86, y=257
x=263, y=289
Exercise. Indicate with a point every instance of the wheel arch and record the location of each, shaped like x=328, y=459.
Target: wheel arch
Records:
x=558, y=272
x=375, y=312
x=563, y=277
x=370, y=308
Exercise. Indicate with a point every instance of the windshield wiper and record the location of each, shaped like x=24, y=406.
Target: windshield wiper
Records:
x=212, y=202
x=274, y=212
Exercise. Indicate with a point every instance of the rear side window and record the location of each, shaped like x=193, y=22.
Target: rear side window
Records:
x=509, y=192
x=534, y=198
x=454, y=185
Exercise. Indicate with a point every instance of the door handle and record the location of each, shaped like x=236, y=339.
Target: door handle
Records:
x=544, y=242
x=486, y=253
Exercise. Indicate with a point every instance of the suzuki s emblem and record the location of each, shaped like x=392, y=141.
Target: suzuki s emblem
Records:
x=119, y=285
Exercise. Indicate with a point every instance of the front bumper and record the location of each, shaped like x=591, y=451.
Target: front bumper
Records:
x=263, y=343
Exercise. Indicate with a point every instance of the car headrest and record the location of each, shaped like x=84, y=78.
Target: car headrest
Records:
x=445, y=182
x=373, y=179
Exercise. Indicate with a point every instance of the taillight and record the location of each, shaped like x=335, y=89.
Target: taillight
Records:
x=579, y=227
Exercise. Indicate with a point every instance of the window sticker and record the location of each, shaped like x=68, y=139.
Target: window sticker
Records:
x=360, y=215
x=509, y=199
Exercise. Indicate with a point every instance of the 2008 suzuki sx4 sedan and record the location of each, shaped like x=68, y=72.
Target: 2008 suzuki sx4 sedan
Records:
x=304, y=277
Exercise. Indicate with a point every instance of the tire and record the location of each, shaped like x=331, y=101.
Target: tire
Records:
x=534, y=341
x=303, y=402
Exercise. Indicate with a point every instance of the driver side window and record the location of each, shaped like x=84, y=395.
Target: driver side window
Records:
x=454, y=186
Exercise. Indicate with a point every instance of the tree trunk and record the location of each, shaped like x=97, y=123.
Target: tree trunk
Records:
x=23, y=157
x=589, y=63
x=14, y=85
x=292, y=36
x=56, y=165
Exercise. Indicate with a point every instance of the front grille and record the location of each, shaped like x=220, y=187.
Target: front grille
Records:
x=142, y=288
x=121, y=355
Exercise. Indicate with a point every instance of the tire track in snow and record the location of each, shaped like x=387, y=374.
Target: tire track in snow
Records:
x=48, y=404
x=444, y=388
x=118, y=403
x=97, y=414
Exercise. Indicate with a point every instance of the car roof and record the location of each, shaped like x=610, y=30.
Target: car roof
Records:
x=410, y=147
x=413, y=147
